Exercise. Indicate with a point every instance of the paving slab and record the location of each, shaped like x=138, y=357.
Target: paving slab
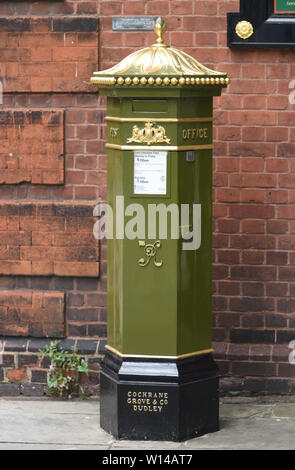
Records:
x=245, y=410
x=145, y=445
x=248, y=434
x=284, y=410
x=246, y=423
x=51, y=423
x=24, y=446
x=50, y=405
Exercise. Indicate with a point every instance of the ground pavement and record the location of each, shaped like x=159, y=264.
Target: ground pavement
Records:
x=246, y=423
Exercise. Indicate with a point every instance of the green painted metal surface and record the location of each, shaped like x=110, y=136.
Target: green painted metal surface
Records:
x=162, y=311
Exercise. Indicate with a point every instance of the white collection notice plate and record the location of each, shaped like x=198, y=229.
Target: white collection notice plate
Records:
x=150, y=172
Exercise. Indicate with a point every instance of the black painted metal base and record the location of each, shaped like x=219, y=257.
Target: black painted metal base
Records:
x=152, y=399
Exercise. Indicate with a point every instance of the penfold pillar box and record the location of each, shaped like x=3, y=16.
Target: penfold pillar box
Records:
x=158, y=377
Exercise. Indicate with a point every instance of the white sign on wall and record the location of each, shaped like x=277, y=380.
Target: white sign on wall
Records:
x=150, y=172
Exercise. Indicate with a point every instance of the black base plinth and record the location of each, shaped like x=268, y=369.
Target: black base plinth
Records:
x=170, y=400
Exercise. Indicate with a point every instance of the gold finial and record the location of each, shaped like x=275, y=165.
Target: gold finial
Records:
x=160, y=29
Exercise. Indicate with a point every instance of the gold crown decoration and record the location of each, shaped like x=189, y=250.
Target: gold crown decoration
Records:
x=149, y=134
x=159, y=65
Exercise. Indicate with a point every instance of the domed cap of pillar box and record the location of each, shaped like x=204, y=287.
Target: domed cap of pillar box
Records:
x=159, y=66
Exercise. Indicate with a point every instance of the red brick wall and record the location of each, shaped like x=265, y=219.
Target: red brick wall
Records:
x=45, y=239
x=27, y=138
x=26, y=313
x=48, y=54
x=254, y=199
x=52, y=174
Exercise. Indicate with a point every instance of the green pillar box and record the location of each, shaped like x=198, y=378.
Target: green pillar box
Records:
x=158, y=377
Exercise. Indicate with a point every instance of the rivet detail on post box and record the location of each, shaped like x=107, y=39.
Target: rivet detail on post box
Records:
x=149, y=134
x=150, y=251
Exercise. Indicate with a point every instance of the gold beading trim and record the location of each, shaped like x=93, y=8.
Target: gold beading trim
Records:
x=160, y=81
x=157, y=147
x=147, y=356
x=135, y=119
x=103, y=80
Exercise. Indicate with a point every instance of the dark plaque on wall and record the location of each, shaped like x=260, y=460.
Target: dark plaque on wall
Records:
x=262, y=23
